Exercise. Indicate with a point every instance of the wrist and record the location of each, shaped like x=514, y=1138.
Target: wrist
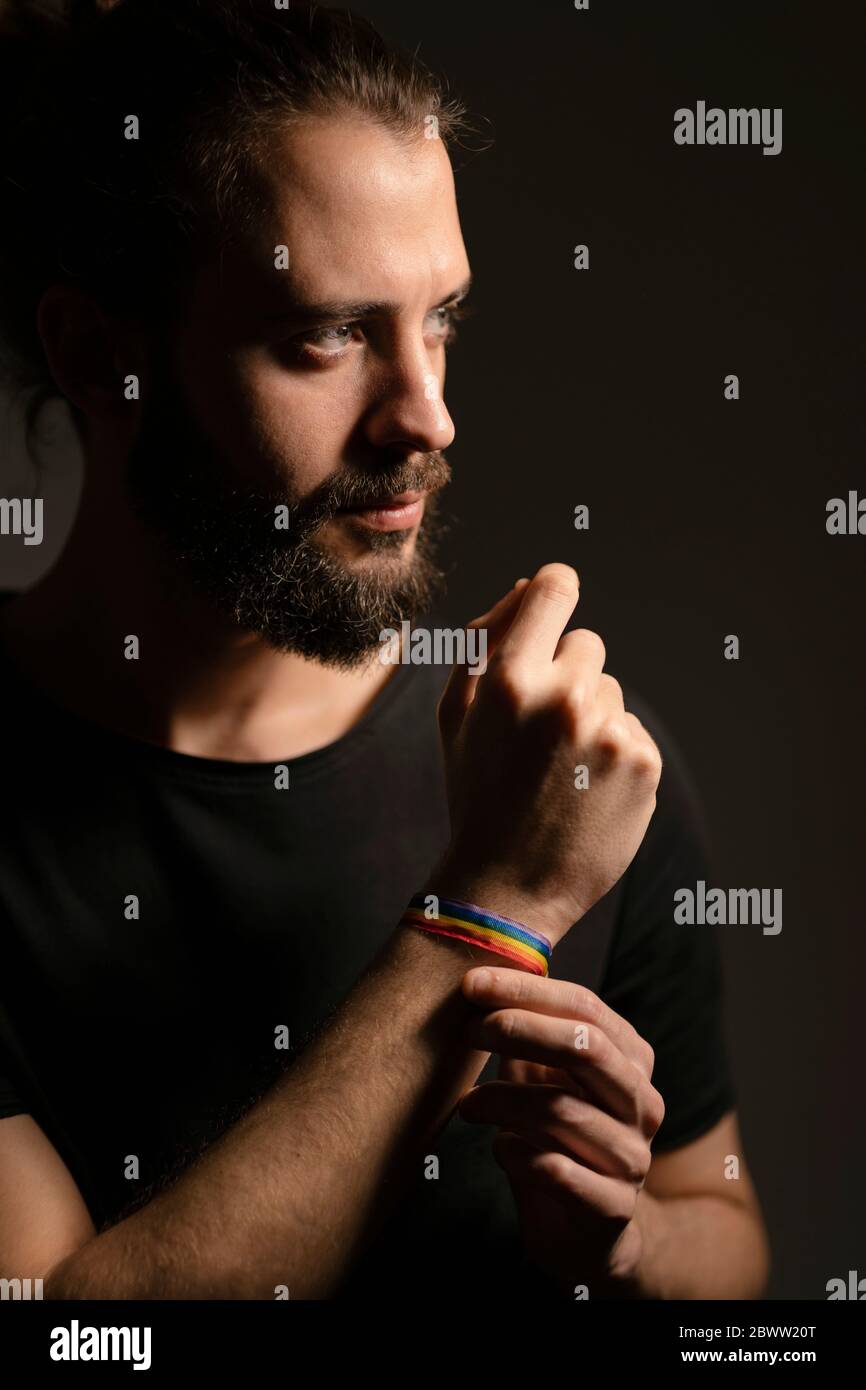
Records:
x=510, y=942
x=492, y=895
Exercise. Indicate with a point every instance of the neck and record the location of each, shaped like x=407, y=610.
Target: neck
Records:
x=200, y=685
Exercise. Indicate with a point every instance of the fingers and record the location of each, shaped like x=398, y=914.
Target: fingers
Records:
x=609, y=704
x=585, y=1195
x=641, y=734
x=579, y=660
x=580, y=646
x=548, y=1116
x=580, y=657
x=595, y=700
x=581, y=1050
x=548, y=603
x=460, y=688
x=514, y=1069
x=516, y=989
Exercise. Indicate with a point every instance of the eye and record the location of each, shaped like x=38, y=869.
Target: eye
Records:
x=443, y=321
x=329, y=339
x=440, y=319
x=332, y=340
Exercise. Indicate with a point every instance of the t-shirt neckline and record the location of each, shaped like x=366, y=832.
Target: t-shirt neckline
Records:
x=192, y=767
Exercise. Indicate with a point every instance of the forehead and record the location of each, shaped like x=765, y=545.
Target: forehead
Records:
x=363, y=213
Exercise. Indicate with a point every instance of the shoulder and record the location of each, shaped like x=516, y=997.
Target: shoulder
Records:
x=675, y=852
x=664, y=977
x=680, y=817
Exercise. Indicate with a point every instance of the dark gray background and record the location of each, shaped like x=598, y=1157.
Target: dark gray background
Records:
x=707, y=516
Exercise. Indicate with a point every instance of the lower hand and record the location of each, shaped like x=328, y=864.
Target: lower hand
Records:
x=576, y=1111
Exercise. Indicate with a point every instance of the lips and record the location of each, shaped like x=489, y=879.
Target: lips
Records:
x=382, y=503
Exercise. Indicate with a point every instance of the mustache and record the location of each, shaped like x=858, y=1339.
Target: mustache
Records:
x=355, y=487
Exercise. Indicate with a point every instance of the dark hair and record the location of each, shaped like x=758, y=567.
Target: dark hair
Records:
x=209, y=81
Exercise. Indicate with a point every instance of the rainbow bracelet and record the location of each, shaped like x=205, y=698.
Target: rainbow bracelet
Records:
x=466, y=922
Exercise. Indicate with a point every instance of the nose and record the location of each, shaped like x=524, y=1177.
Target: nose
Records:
x=408, y=409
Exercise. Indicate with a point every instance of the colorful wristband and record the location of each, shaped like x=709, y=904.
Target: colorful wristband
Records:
x=466, y=922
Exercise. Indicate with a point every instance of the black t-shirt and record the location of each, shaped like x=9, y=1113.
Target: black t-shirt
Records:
x=163, y=917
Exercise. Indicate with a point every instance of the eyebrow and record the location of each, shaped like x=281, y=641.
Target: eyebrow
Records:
x=341, y=309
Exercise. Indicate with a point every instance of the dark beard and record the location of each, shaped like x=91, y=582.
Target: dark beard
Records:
x=281, y=584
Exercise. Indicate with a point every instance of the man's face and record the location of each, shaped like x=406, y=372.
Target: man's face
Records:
x=314, y=389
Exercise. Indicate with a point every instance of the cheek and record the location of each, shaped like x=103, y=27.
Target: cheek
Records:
x=298, y=423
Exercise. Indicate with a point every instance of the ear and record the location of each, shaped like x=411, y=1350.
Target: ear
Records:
x=90, y=354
